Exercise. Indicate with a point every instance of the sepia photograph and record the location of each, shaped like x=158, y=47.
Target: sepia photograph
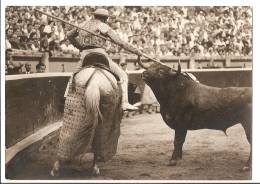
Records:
x=122, y=93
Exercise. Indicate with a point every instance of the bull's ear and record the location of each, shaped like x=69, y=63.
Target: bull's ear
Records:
x=179, y=67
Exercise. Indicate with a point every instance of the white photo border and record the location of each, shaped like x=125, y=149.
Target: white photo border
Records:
x=256, y=72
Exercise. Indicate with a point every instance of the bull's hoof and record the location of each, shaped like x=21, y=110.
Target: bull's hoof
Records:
x=172, y=163
x=246, y=168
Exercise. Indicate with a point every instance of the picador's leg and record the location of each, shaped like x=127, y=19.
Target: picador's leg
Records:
x=124, y=84
x=180, y=135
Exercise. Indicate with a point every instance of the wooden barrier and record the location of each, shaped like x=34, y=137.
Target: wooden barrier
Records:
x=31, y=102
x=68, y=62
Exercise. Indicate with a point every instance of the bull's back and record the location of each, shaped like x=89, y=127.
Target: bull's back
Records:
x=208, y=107
x=207, y=97
x=220, y=108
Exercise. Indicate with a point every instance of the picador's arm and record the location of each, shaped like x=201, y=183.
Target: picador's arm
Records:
x=75, y=40
x=72, y=37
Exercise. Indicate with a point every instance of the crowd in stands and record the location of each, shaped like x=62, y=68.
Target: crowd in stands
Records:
x=157, y=31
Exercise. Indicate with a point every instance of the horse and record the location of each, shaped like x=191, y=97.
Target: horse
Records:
x=92, y=117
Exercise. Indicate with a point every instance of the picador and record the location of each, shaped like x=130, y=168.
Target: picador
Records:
x=88, y=43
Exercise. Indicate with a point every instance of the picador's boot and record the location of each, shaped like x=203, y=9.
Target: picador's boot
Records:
x=125, y=104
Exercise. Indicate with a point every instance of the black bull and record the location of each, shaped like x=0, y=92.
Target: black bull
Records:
x=189, y=105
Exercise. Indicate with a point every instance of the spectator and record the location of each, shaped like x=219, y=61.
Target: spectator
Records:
x=44, y=18
x=67, y=47
x=40, y=67
x=55, y=47
x=52, y=35
x=8, y=60
x=8, y=33
x=48, y=28
x=10, y=67
x=14, y=41
x=23, y=43
x=28, y=68
x=202, y=27
x=29, y=30
x=44, y=44
x=60, y=32
x=33, y=43
x=40, y=32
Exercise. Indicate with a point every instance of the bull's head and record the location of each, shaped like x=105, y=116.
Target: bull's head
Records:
x=146, y=66
x=158, y=76
x=158, y=71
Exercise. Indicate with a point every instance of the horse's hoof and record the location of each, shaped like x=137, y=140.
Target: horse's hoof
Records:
x=56, y=169
x=172, y=163
x=96, y=171
x=54, y=173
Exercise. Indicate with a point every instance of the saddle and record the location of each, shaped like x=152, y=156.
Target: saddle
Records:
x=94, y=60
x=97, y=60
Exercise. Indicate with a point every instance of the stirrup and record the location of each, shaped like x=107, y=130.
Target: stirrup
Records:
x=129, y=107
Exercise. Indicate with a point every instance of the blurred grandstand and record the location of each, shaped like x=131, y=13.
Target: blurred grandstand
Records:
x=157, y=31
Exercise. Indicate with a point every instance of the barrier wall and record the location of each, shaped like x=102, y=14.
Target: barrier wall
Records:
x=57, y=62
x=36, y=100
x=31, y=102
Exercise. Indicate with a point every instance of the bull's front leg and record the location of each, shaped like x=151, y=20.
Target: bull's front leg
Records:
x=180, y=135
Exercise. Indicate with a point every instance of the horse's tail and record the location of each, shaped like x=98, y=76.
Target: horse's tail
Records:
x=92, y=102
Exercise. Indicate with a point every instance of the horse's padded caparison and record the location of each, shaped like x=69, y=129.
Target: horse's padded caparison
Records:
x=80, y=134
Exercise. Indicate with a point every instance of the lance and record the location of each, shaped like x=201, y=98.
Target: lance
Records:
x=90, y=32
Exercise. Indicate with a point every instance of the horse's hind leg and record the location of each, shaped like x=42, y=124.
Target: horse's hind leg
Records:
x=55, y=172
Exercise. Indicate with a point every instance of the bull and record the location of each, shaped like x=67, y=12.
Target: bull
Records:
x=189, y=105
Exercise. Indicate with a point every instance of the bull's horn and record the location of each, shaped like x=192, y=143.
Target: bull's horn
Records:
x=141, y=63
x=179, y=66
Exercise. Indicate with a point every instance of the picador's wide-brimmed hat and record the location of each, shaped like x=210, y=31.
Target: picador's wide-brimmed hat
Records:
x=101, y=12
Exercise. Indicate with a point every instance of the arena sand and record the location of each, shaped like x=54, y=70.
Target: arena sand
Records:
x=144, y=149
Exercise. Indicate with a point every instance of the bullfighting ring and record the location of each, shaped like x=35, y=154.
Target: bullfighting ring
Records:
x=144, y=149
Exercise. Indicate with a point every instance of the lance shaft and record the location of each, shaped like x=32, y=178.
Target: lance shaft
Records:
x=73, y=25
x=90, y=32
